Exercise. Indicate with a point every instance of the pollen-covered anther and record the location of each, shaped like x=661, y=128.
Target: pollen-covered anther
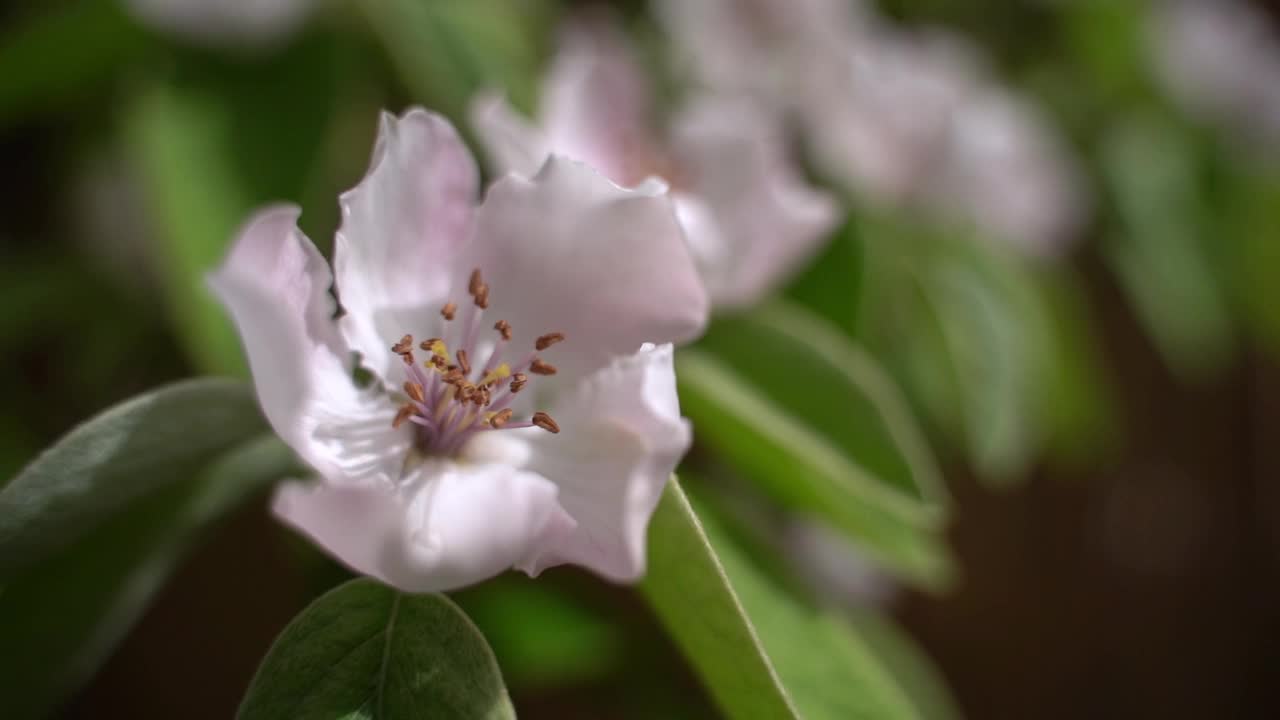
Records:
x=539, y=367
x=517, y=381
x=475, y=282
x=504, y=329
x=429, y=344
x=548, y=340
x=437, y=362
x=452, y=376
x=414, y=390
x=404, y=346
x=465, y=391
x=464, y=364
x=500, y=418
x=545, y=422
x=482, y=297
x=449, y=310
x=404, y=413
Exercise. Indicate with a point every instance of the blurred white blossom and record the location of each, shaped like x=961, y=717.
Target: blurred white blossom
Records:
x=749, y=216
x=911, y=119
x=1220, y=59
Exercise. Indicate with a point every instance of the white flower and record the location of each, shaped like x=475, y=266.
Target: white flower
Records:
x=480, y=325
x=1221, y=60
x=783, y=53
x=749, y=216
x=922, y=125
x=908, y=119
x=224, y=22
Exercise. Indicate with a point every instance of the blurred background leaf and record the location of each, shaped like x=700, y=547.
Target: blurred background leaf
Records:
x=60, y=619
x=138, y=447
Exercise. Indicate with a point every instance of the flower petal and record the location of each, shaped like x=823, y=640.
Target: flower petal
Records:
x=513, y=145
x=595, y=101
x=772, y=220
x=401, y=229
x=621, y=437
x=448, y=527
x=276, y=286
x=1008, y=171
x=569, y=251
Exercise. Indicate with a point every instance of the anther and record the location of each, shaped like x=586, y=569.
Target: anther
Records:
x=475, y=283
x=404, y=346
x=517, y=381
x=548, y=340
x=429, y=344
x=482, y=296
x=449, y=310
x=500, y=418
x=504, y=329
x=404, y=413
x=538, y=367
x=414, y=390
x=463, y=363
x=453, y=376
x=545, y=422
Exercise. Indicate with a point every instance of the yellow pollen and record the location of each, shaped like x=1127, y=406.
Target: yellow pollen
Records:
x=497, y=374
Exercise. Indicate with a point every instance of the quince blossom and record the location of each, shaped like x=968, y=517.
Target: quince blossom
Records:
x=910, y=119
x=750, y=218
x=522, y=411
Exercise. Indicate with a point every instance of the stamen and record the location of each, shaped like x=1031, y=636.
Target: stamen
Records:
x=430, y=344
x=545, y=422
x=482, y=297
x=538, y=367
x=475, y=283
x=414, y=390
x=449, y=310
x=402, y=415
x=548, y=340
x=404, y=346
x=463, y=363
x=500, y=418
x=517, y=381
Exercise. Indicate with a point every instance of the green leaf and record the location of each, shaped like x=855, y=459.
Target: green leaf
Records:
x=145, y=444
x=74, y=46
x=761, y=653
x=840, y=444
x=1161, y=259
x=61, y=619
x=366, y=651
x=211, y=144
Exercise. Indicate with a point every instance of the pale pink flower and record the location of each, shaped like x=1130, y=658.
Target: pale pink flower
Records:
x=750, y=218
x=1221, y=60
x=907, y=119
x=520, y=414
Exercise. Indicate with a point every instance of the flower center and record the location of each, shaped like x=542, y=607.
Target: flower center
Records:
x=450, y=396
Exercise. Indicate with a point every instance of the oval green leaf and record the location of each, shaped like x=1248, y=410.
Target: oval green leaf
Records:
x=143, y=445
x=364, y=650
